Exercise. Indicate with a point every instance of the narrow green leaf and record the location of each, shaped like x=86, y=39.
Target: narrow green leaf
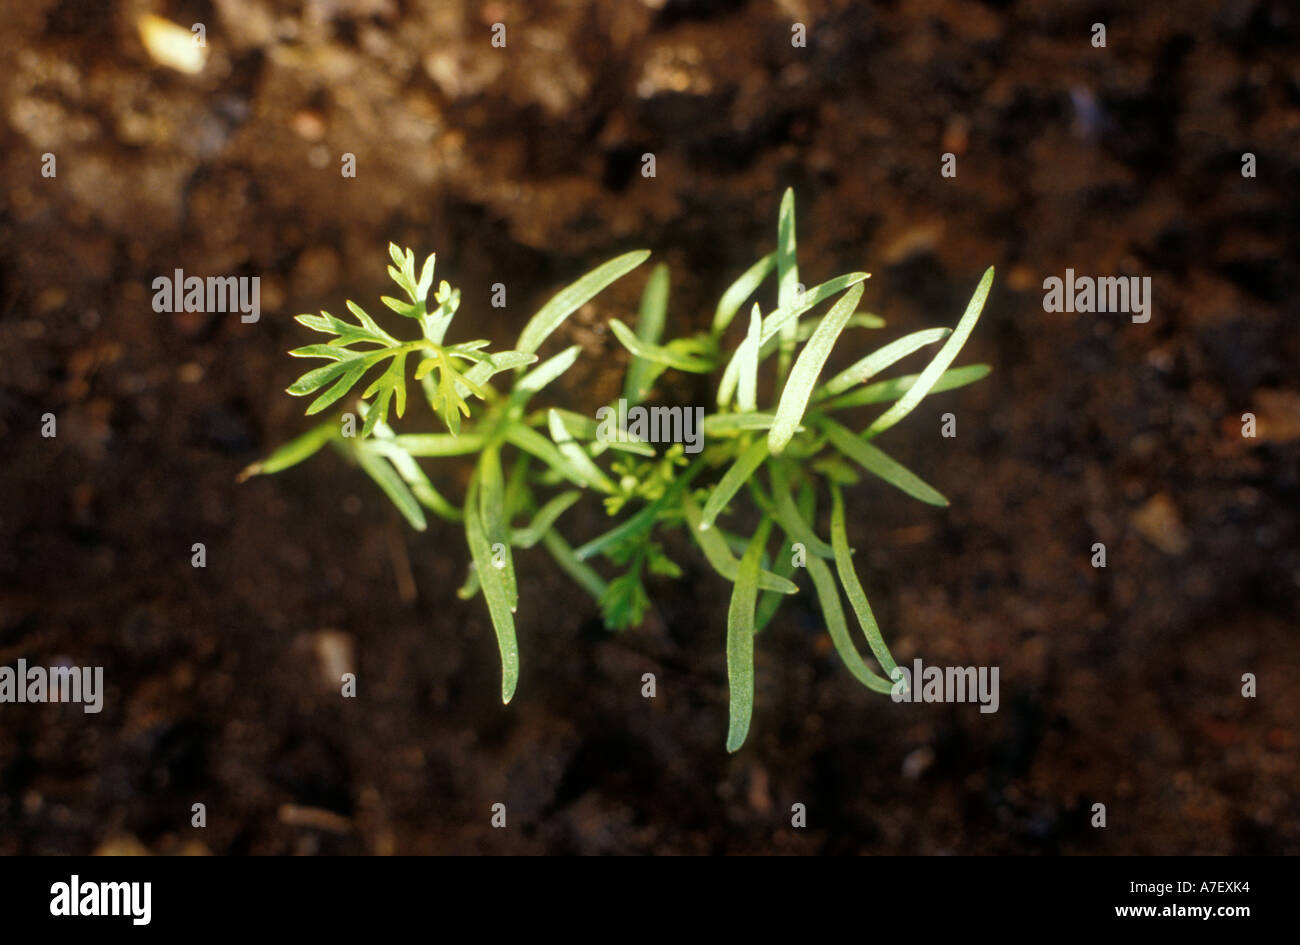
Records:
x=546, y=372
x=858, y=320
x=783, y=566
x=930, y=374
x=732, y=480
x=579, y=425
x=779, y=319
x=577, y=456
x=714, y=545
x=569, y=299
x=853, y=587
x=878, y=463
x=770, y=600
x=469, y=590
x=494, y=592
x=585, y=428
x=879, y=360
x=583, y=575
x=787, y=272
x=439, y=444
x=492, y=504
x=787, y=514
x=293, y=452
x=787, y=269
x=657, y=354
x=533, y=442
x=740, y=639
x=806, y=503
x=649, y=328
x=379, y=469
x=723, y=424
x=414, y=477
x=747, y=394
x=544, y=519
x=894, y=388
x=799, y=386
x=623, y=446
x=828, y=596
x=518, y=495
x=774, y=323
x=739, y=291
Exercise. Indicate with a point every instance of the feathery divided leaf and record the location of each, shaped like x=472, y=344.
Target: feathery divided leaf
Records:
x=448, y=400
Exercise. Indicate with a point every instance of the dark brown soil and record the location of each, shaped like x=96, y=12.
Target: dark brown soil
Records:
x=1119, y=686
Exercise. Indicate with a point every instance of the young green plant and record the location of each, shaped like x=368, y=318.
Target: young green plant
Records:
x=762, y=469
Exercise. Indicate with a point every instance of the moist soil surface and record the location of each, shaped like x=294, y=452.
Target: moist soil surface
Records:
x=524, y=165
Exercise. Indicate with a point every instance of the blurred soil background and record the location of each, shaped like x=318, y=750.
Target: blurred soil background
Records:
x=522, y=165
